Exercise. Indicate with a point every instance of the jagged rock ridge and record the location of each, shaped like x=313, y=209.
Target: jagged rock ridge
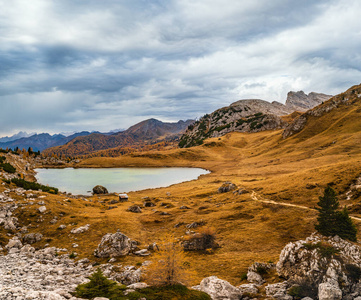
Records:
x=250, y=115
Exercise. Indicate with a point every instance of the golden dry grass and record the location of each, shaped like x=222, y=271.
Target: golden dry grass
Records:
x=327, y=151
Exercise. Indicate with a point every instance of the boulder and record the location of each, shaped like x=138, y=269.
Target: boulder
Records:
x=14, y=243
x=114, y=245
x=248, y=288
x=227, y=187
x=99, y=189
x=278, y=291
x=32, y=238
x=256, y=271
x=134, y=209
x=320, y=263
x=148, y=204
x=219, y=289
x=129, y=275
x=327, y=291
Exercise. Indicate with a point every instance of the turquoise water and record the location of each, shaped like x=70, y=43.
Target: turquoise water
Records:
x=118, y=180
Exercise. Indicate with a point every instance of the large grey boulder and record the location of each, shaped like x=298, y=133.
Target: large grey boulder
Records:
x=219, y=289
x=327, y=291
x=99, y=189
x=114, y=245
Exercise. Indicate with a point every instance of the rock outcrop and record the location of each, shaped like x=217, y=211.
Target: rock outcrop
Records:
x=114, y=245
x=346, y=98
x=219, y=289
x=99, y=189
x=330, y=265
x=299, y=101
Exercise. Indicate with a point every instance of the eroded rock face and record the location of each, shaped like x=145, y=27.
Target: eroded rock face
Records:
x=114, y=245
x=219, y=289
x=313, y=262
x=99, y=189
x=299, y=101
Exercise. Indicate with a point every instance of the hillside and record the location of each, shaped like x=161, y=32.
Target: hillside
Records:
x=278, y=184
x=146, y=132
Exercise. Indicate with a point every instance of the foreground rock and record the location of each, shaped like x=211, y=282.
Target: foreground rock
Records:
x=115, y=245
x=329, y=267
x=219, y=289
x=44, y=274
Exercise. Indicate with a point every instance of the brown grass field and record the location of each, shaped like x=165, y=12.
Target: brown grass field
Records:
x=327, y=151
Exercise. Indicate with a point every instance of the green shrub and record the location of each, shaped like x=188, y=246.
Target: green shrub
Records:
x=353, y=271
x=325, y=250
x=303, y=289
x=27, y=185
x=2, y=159
x=8, y=168
x=99, y=286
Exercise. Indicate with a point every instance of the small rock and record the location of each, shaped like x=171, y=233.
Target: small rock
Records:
x=99, y=189
x=143, y=252
x=62, y=226
x=81, y=229
x=42, y=209
x=227, y=187
x=134, y=209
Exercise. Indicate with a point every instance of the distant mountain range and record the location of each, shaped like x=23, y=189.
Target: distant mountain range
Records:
x=16, y=136
x=41, y=141
x=145, y=132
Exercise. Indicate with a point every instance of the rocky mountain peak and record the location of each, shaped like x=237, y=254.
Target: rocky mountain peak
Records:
x=299, y=101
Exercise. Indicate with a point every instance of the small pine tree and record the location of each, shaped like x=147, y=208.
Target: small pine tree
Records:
x=98, y=286
x=331, y=221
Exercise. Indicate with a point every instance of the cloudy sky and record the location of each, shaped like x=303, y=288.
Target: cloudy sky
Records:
x=71, y=65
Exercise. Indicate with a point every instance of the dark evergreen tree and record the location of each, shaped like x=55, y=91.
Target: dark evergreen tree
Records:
x=327, y=217
x=332, y=222
x=346, y=229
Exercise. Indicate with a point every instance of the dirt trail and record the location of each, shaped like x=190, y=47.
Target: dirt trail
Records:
x=259, y=198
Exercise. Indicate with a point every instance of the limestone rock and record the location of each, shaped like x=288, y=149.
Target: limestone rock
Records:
x=42, y=209
x=14, y=243
x=278, y=291
x=99, y=189
x=299, y=101
x=304, y=261
x=81, y=229
x=219, y=289
x=114, y=245
x=32, y=238
x=248, y=288
x=327, y=291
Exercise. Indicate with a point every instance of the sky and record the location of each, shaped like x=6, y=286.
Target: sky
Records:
x=73, y=65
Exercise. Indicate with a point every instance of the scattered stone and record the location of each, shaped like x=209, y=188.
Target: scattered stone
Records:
x=112, y=260
x=42, y=209
x=227, y=187
x=148, y=204
x=99, y=189
x=143, y=252
x=248, y=288
x=178, y=224
x=14, y=243
x=195, y=224
x=81, y=229
x=184, y=207
x=32, y=238
x=62, y=226
x=134, y=209
x=278, y=291
x=113, y=202
x=153, y=247
x=138, y=285
x=114, y=245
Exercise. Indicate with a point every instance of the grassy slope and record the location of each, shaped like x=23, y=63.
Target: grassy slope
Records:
x=327, y=151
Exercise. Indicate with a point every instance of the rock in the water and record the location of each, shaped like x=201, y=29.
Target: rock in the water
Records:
x=134, y=209
x=227, y=187
x=114, y=245
x=99, y=189
x=219, y=289
x=32, y=238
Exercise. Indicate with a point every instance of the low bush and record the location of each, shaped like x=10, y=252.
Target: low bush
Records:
x=8, y=168
x=27, y=185
x=324, y=249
